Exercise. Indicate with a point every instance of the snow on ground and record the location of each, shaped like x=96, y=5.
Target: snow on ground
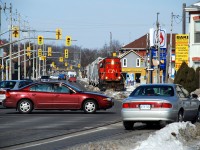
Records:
x=175, y=136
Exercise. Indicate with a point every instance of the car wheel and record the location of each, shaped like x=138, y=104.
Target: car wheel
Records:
x=180, y=116
x=25, y=106
x=128, y=125
x=90, y=106
x=197, y=118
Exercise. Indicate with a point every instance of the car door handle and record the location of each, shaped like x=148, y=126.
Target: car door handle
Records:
x=33, y=94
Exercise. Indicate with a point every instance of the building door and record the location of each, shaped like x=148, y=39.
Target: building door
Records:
x=137, y=77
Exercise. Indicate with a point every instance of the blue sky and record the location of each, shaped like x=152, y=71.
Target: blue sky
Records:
x=90, y=22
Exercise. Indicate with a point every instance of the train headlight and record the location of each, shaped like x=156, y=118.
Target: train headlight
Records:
x=106, y=77
x=112, y=62
x=119, y=77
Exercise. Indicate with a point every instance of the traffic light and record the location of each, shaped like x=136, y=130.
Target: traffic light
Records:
x=66, y=64
x=60, y=59
x=79, y=65
x=39, y=52
x=49, y=51
x=66, y=53
x=68, y=41
x=28, y=51
x=58, y=34
x=15, y=32
x=40, y=40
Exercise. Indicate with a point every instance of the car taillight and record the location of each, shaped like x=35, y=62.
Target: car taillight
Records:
x=2, y=92
x=7, y=93
x=153, y=105
x=129, y=105
x=166, y=105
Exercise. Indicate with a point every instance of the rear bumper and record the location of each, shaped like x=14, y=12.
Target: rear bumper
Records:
x=149, y=115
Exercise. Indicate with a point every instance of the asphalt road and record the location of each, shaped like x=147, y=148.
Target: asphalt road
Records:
x=54, y=129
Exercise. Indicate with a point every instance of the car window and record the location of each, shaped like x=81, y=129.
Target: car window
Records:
x=7, y=84
x=23, y=83
x=61, y=88
x=180, y=92
x=153, y=91
x=42, y=88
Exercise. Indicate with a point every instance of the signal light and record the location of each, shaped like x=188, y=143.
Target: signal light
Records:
x=66, y=53
x=58, y=34
x=68, y=41
x=40, y=40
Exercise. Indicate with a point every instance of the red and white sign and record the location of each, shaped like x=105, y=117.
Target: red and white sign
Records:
x=160, y=35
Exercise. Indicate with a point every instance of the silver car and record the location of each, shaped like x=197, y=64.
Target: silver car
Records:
x=11, y=84
x=159, y=104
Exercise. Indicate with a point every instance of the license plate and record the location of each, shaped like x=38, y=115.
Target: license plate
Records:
x=145, y=107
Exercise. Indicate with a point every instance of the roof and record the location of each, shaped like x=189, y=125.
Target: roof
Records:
x=128, y=52
x=193, y=7
x=141, y=43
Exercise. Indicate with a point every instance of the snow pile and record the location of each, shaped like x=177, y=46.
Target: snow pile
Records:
x=174, y=136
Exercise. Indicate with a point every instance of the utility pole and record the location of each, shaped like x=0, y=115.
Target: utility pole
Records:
x=158, y=48
x=110, y=43
x=10, y=37
x=184, y=20
x=2, y=66
x=19, y=60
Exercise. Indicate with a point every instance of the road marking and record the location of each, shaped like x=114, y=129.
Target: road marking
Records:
x=54, y=139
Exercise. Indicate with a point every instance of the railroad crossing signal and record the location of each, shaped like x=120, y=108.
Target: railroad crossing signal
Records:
x=66, y=53
x=28, y=51
x=15, y=32
x=58, y=34
x=68, y=41
x=39, y=52
x=49, y=51
x=40, y=40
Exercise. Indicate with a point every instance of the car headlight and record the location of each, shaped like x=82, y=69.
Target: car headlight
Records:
x=107, y=99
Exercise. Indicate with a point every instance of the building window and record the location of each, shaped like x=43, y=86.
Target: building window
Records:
x=125, y=62
x=197, y=32
x=138, y=62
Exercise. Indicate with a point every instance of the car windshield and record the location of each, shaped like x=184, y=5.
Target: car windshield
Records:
x=73, y=87
x=45, y=77
x=7, y=84
x=163, y=90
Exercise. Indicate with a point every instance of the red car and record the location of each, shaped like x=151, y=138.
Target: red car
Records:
x=72, y=79
x=55, y=95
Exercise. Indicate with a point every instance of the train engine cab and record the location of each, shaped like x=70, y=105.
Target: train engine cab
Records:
x=110, y=74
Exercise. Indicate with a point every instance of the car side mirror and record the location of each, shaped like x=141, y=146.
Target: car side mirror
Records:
x=194, y=96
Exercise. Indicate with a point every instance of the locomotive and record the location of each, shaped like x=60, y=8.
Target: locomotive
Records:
x=106, y=73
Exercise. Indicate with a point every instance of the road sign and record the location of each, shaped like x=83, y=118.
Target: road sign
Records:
x=181, y=52
x=15, y=32
x=58, y=34
x=40, y=40
x=68, y=41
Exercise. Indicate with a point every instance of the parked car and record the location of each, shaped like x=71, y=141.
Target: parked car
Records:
x=11, y=84
x=55, y=95
x=72, y=79
x=62, y=77
x=160, y=104
x=45, y=78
